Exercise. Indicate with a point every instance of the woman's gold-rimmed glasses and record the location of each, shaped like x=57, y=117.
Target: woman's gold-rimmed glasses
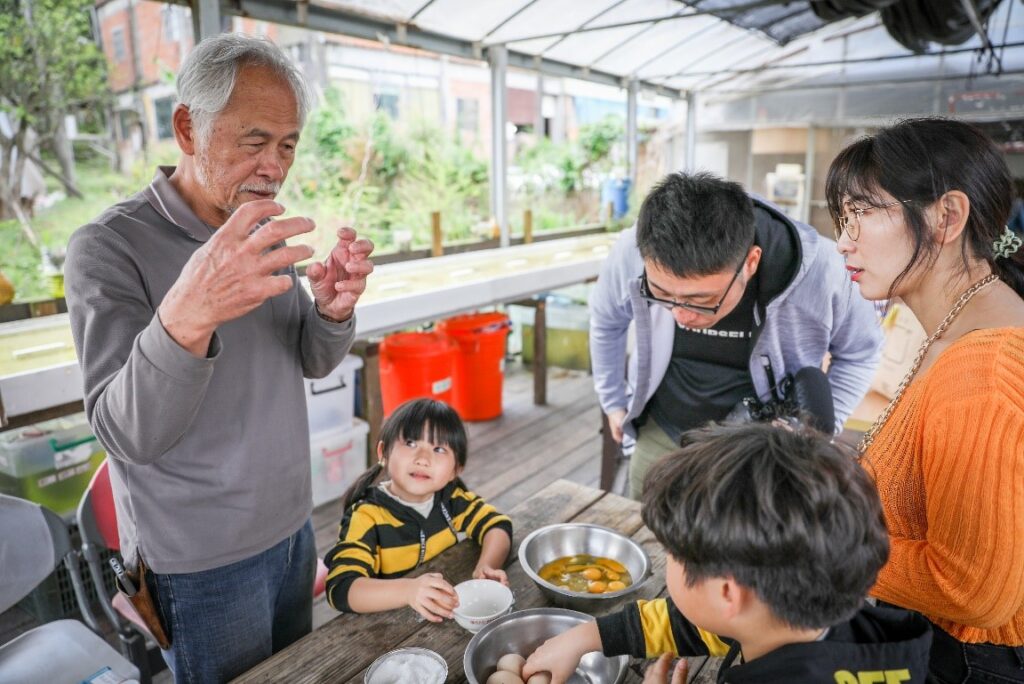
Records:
x=850, y=224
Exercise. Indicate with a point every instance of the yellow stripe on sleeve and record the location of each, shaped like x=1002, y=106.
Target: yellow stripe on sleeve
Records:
x=716, y=646
x=481, y=513
x=358, y=526
x=657, y=628
x=492, y=522
x=342, y=569
x=357, y=553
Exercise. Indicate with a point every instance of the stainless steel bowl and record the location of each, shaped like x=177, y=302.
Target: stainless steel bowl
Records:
x=370, y=671
x=523, y=632
x=569, y=539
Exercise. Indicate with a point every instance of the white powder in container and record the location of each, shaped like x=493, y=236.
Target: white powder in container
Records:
x=409, y=668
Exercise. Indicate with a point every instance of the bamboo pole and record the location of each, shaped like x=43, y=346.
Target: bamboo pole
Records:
x=527, y=226
x=437, y=248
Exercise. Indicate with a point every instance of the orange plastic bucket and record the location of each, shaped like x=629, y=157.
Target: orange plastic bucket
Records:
x=414, y=365
x=480, y=366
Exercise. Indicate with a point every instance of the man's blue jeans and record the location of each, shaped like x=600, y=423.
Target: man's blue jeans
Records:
x=223, y=621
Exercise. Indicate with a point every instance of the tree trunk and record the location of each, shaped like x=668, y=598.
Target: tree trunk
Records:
x=46, y=168
x=63, y=150
x=6, y=145
x=10, y=184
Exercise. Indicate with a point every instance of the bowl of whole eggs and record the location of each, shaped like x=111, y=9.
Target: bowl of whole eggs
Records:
x=497, y=652
x=582, y=566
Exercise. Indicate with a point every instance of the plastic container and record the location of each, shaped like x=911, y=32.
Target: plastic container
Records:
x=50, y=463
x=480, y=365
x=615, y=191
x=337, y=458
x=416, y=364
x=568, y=333
x=331, y=400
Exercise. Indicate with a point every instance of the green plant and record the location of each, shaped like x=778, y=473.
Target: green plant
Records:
x=598, y=139
x=49, y=66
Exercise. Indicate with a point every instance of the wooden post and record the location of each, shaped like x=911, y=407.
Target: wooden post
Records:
x=610, y=216
x=527, y=226
x=540, y=353
x=46, y=307
x=437, y=248
x=370, y=403
x=611, y=452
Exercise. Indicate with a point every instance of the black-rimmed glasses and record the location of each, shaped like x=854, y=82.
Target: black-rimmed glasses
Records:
x=851, y=224
x=645, y=292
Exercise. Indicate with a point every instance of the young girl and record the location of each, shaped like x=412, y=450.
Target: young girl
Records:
x=392, y=527
x=921, y=210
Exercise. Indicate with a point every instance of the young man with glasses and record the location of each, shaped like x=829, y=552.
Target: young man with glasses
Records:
x=727, y=296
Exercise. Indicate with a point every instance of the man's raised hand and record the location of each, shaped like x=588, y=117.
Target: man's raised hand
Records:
x=232, y=274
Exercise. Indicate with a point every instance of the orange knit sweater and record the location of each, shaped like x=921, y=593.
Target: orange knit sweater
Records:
x=949, y=465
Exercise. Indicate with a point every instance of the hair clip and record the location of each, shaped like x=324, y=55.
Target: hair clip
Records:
x=1007, y=244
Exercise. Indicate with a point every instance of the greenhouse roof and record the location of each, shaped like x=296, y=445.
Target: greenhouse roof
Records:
x=668, y=45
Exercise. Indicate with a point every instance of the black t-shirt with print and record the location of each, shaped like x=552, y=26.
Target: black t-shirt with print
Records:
x=709, y=372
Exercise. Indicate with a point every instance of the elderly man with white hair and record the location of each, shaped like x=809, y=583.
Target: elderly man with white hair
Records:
x=194, y=335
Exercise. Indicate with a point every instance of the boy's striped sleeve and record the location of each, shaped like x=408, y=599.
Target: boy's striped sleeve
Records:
x=647, y=629
x=353, y=556
x=475, y=517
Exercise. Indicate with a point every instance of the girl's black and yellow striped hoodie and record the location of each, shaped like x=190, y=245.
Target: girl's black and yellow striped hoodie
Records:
x=382, y=538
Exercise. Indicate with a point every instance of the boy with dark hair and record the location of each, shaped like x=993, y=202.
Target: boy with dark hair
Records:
x=727, y=297
x=774, y=538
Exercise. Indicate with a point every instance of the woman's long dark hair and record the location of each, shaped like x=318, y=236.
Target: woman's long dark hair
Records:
x=412, y=420
x=917, y=161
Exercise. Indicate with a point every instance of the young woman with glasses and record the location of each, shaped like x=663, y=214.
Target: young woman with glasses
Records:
x=920, y=211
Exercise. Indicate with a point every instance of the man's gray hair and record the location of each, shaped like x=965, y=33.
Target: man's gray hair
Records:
x=208, y=76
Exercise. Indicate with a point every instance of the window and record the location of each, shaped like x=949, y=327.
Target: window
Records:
x=299, y=52
x=117, y=41
x=171, y=20
x=467, y=114
x=387, y=103
x=164, y=109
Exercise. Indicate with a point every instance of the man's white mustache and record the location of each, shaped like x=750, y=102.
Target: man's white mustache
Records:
x=271, y=189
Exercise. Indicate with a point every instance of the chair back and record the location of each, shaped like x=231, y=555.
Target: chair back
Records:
x=33, y=541
x=97, y=517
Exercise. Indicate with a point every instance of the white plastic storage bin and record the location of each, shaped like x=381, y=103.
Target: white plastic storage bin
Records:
x=337, y=457
x=331, y=400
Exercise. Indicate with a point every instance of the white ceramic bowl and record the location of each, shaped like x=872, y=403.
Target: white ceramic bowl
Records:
x=481, y=601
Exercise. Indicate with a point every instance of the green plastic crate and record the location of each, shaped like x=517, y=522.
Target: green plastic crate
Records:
x=50, y=463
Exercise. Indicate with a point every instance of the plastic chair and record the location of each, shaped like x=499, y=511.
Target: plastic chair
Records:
x=97, y=526
x=33, y=542
x=97, y=523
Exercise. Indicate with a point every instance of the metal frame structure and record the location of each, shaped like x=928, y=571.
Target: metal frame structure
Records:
x=677, y=66
x=207, y=19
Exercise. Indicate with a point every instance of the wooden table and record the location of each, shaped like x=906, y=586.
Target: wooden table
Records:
x=342, y=649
